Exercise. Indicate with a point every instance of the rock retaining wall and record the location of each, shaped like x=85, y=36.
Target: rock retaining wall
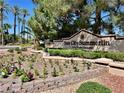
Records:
x=37, y=86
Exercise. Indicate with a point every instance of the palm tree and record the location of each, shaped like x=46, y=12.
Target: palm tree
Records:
x=6, y=27
x=19, y=23
x=24, y=13
x=35, y=1
x=15, y=11
x=3, y=8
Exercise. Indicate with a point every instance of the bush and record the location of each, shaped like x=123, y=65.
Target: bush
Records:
x=4, y=73
x=54, y=73
x=19, y=72
x=45, y=72
x=36, y=72
x=93, y=87
x=23, y=49
x=24, y=78
x=18, y=50
x=11, y=50
x=116, y=56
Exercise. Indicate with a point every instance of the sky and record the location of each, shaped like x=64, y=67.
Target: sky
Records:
x=26, y=4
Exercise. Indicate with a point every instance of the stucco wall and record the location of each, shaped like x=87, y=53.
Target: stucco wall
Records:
x=116, y=43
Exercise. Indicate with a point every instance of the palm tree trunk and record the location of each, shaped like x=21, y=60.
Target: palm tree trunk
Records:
x=27, y=37
x=23, y=27
x=1, y=24
x=19, y=31
x=15, y=28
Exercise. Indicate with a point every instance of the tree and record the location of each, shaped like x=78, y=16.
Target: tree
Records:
x=35, y=1
x=96, y=15
x=3, y=8
x=19, y=23
x=6, y=27
x=15, y=11
x=45, y=19
x=24, y=14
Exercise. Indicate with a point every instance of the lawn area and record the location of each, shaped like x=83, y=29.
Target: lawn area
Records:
x=93, y=87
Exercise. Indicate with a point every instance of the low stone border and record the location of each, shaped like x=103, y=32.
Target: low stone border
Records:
x=37, y=86
x=109, y=62
x=9, y=47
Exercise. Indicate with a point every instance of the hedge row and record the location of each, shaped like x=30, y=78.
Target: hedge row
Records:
x=116, y=56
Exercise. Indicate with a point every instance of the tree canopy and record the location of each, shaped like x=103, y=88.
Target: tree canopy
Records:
x=65, y=17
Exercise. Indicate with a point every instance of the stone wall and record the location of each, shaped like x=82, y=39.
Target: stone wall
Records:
x=37, y=86
x=91, y=41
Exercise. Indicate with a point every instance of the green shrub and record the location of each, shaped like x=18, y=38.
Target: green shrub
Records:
x=4, y=72
x=45, y=72
x=18, y=50
x=116, y=56
x=61, y=72
x=11, y=50
x=75, y=69
x=45, y=49
x=93, y=87
x=54, y=73
x=24, y=78
x=19, y=72
x=36, y=72
x=23, y=49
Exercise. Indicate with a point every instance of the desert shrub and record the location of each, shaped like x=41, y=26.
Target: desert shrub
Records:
x=19, y=72
x=36, y=72
x=61, y=72
x=75, y=69
x=23, y=49
x=54, y=73
x=93, y=87
x=89, y=65
x=11, y=50
x=24, y=78
x=45, y=72
x=31, y=66
x=18, y=50
x=4, y=72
